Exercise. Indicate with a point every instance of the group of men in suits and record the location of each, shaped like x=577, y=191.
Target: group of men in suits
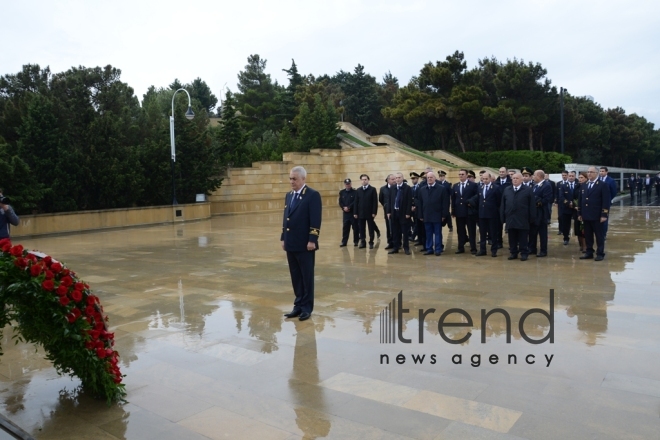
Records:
x=516, y=201
x=639, y=183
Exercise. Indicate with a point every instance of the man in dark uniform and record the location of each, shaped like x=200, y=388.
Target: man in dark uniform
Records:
x=566, y=195
x=560, y=208
x=639, y=184
x=603, y=176
x=488, y=200
x=527, y=176
x=593, y=209
x=517, y=212
x=632, y=184
x=466, y=224
x=433, y=209
x=400, y=210
x=504, y=180
x=301, y=226
x=442, y=176
x=542, y=198
x=648, y=185
x=421, y=230
x=383, y=199
x=414, y=177
x=366, y=208
x=346, y=203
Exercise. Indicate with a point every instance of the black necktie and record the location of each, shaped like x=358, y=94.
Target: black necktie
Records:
x=462, y=185
x=293, y=199
x=398, y=197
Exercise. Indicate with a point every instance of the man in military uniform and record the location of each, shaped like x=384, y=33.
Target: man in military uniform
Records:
x=366, y=208
x=560, y=208
x=384, y=199
x=527, y=176
x=542, y=198
x=488, y=199
x=399, y=212
x=346, y=203
x=466, y=222
x=566, y=195
x=301, y=226
x=593, y=209
x=517, y=212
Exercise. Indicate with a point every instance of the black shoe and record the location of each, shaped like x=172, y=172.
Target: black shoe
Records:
x=293, y=313
x=473, y=251
x=494, y=254
x=480, y=254
x=355, y=244
x=428, y=253
x=342, y=245
x=362, y=246
x=533, y=251
x=541, y=254
x=437, y=254
x=393, y=251
x=460, y=251
x=304, y=316
x=389, y=246
x=565, y=242
x=599, y=258
x=378, y=235
x=523, y=258
x=512, y=257
x=407, y=251
x=587, y=257
x=451, y=229
x=423, y=249
x=371, y=245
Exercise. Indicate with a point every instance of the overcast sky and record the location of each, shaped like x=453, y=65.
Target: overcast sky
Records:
x=606, y=49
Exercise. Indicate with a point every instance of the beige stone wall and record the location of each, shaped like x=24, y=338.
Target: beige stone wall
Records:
x=72, y=222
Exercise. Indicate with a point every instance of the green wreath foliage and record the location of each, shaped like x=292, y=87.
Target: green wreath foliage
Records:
x=48, y=305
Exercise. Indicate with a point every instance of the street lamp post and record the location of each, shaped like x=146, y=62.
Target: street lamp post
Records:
x=561, y=116
x=189, y=115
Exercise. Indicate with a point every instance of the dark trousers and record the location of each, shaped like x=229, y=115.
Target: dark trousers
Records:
x=421, y=232
x=350, y=222
x=566, y=224
x=498, y=233
x=560, y=218
x=639, y=191
x=388, y=227
x=540, y=232
x=363, y=229
x=400, y=227
x=487, y=227
x=518, y=241
x=301, y=266
x=594, y=228
x=648, y=191
x=433, y=231
x=450, y=225
x=466, y=227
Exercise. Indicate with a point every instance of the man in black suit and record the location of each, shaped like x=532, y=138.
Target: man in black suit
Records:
x=632, y=185
x=366, y=208
x=566, y=195
x=560, y=208
x=488, y=200
x=543, y=197
x=301, y=226
x=593, y=209
x=347, y=203
x=517, y=212
x=400, y=210
x=648, y=185
x=433, y=210
x=383, y=199
x=639, y=184
x=441, y=179
x=466, y=220
x=504, y=180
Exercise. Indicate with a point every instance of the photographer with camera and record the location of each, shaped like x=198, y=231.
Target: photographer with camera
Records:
x=7, y=216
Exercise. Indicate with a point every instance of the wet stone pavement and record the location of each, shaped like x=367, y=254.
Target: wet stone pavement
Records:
x=197, y=313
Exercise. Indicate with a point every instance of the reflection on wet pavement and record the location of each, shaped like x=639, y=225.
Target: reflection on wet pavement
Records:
x=197, y=314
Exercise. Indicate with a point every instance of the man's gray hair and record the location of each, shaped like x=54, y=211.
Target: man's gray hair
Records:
x=299, y=171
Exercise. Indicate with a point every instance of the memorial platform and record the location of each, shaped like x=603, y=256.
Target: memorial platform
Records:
x=197, y=310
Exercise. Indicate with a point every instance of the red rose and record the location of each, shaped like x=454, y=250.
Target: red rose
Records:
x=76, y=312
x=61, y=290
x=6, y=247
x=66, y=280
x=49, y=275
x=56, y=267
x=100, y=345
x=35, y=270
x=21, y=263
x=16, y=251
x=110, y=335
x=99, y=325
x=48, y=285
x=79, y=286
x=89, y=310
x=109, y=352
x=71, y=318
x=94, y=334
x=31, y=257
x=48, y=260
x=65, y=272
x=5, y=241
x=91, y=299
x=76, y=295
x=90, y=345
x=100, y=353
x=64, y=300
x=117, y=380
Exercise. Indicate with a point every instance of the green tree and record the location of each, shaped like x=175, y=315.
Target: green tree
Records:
x=230, y=139
x=257, y=99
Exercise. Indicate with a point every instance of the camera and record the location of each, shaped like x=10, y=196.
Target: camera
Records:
x=4, y=200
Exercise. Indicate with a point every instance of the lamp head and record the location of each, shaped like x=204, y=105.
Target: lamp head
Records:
x=190, y=114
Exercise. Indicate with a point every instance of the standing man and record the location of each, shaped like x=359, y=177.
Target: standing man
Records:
x=433, y=210
x=7, y=216
x=639, y=183
x=593, y=209
x=560, y=208
x=542, y=198
x=488, y=199
x=466, y=221
x=632, y=183
x=553, y=187
x=301, y=226
x=400, y=210
x=566, y=195
x=441, y=179
x=347, y=203
x=517, y=212
x=366, y=208
x=527, y=176
x=384, y=199
x=414, y=177
x=648, y=185
x=611, y=183
x=504, y=179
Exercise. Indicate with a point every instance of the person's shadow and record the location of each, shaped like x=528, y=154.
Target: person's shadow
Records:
x=311, y=416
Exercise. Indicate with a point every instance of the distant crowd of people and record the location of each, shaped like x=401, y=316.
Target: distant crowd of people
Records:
x=517, y=203
x=637, y=183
